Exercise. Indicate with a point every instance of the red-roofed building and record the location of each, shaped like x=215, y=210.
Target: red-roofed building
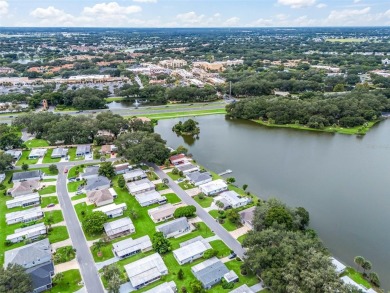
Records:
x=178, y=159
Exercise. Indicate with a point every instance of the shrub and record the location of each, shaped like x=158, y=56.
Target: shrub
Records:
x=186, y=211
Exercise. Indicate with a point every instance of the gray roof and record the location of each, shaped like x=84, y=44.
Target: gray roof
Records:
x=209, y=270
x=167, y=287
x=59, y=152
x=83, y=149
x=242, y=289
x=173, y=226
x=91, y=170
x=199, y=176
x=26, y=175
x=248, y=214
x=120, y=223
x=191, y=250
x=95, y=183
x=186, y=167
x=41, y=275
x=28, y=253
x=129, y=245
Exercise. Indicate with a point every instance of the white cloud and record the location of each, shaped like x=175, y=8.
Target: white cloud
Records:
x=297, y=3
x=347, y=16
x=110, y=9
x=321, y=5
x=282, y=20
x=145, y=1
x=357, y=1
x=190, y=18
x=3, y=7
x=232, y=21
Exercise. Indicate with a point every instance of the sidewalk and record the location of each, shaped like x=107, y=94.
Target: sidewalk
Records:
x=66, y=266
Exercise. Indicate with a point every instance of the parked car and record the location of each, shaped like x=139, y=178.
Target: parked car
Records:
x=66, y=171
x=50, y=205
x=232, y=255
x=79, y=192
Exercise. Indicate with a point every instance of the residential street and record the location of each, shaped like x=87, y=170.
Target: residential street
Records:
x=202, y=214
x=88, y=269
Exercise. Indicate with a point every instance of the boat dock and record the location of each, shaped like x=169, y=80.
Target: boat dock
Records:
x=228, y=171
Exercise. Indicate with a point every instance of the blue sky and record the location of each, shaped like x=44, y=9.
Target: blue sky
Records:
x=194, y=13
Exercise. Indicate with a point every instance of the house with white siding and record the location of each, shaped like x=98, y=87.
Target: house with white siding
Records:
x=129, y=247
x=31, y=232
x=112, y=210
x=214, y=187
x=24, y=216
x=119, y=227
x=140, y=186
x=24, y=201
x=191, y=250
x=150, y=197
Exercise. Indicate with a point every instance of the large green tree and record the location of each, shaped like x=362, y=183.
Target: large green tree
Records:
x=160, y=243
x=142, y=147
x=107, y=169
x=14, y=279
x=93, y=223
x=5, y=162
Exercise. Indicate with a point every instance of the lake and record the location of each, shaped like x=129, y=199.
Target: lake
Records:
x=342, y=180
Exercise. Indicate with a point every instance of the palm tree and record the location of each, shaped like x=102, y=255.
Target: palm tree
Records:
x=98, y=245
x=359, y=260
x=366, y=266
x=165, y=181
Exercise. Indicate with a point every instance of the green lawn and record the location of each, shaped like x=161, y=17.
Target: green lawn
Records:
x=72, y=155
x=47, y=158
x=174, y=176
x=49, y=180
x=186, y=185
x=161, y=186
x=205, y=202
x=56, y=215
x=221, y=247
x=73, y=186
x=178, y=114
x=76, y=197
x=226, y=223
x=47, y=190
x=58, y=234
x=75, y=171
x=152, y=176
x=357, y=277
x=114, y=99
x=106, y=253
x=24, y=159
x=241, y=238
x=36, y=143
x=48, y=200
x=250, y=279
x=69, y=282
x=172, y=198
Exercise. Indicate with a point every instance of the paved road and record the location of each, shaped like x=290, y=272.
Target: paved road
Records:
x=203, y=215
x=88, y=269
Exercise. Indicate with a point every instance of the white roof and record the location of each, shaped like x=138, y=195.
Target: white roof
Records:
x=113, y=192
x=139, y=185
x=133, y=174
x=339, y=266
x=233, y=197
x=130, y=245
x=24, y=198
x=213, y=185
x=191, y=250
x=37, y=152
x=148, y=196
x=25, y=214
x=123, y=222
x=146, y=269
x=30, y=230
x=111, y=207
x=167, y=287
x=162, y=211
x=347, y=280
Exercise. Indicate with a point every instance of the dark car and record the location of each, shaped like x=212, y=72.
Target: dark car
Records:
x=232, y=255
x=50, y=205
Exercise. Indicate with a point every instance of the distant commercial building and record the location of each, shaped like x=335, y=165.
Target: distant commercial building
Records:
x=173, y=63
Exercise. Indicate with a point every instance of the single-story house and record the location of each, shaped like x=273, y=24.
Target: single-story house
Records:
x=15, y=154
x=37, y=153
x=24, y=187
x=146, y=270
x=83, y=150
x=101, y=197
x=108, y=149
x=129, y=247
x=233, y=199
x=27, y=175
x=119, y=227
x=112, y=210
x=133, y=175
x=150, y=197
x=246, y=217
x=198, y=178
x=178, y=159
x=24, y=216
x=31, y=232
x=59, y=153
x=210, y=272
x=140, y=186
x=163, y=213
x=191, y=250
x=243, y=289
x=2, y=177
x=36, y=258
x=174, y=228
x=187, y=168
x=213, y=187
x=121, y=168
x=97, y=183
x=340, y=267
x=167, y=287
x=24, y=201
x=348, y=281
x=90, y=172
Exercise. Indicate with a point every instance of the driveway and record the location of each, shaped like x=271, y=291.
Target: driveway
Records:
x=224, y=235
